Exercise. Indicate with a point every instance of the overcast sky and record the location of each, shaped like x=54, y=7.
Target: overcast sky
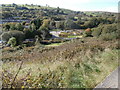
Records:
x=77, y=5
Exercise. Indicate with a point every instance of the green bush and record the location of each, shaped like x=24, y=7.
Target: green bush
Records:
x=60, y=24
x=69, y=24
x=44, y=33
x=19, y=26
x=28, y=33
x=97, y=31
x=109, y=28
x=87, y=33
x=5, y=36
x=106, y=32
x=12, y=42
x=17, y=34
x=12, y=26
x=109, y=36
x=6, y=27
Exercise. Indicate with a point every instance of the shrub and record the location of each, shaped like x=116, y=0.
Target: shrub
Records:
x=5, y=36
x=28, y=33
x=43, y=28
x=97, y=31
x=19, y=26
x=37, y=23
x=6, y=27
x=12, y=42
x=45, y=34
x=69, y=24
x=38, y=40
x=87, y=32
x=109, y=36
x=46, y=23
x=60, y=25
x=17, y=34
x=12, y=26
x=106, y=32
x=109, y=28
x=93, y=22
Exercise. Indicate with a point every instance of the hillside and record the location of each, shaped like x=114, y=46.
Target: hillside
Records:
x=48, y=47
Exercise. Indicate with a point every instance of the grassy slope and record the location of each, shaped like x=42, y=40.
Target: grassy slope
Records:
x=73, y=64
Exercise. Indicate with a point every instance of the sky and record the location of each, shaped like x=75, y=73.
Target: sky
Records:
x=77, y=5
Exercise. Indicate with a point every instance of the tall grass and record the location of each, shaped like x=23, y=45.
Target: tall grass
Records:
x=71, y=65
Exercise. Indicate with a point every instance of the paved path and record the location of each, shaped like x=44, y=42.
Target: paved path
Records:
x=111, y=81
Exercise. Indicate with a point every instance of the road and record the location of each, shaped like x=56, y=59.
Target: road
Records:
x=111, y=81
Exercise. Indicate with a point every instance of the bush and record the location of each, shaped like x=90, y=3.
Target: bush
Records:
x=17, y=34
x=109, y=28
x=19, y=26
x=106, y=32
x=60, y=25
x=5, y=36
x=6, y=27
x=69, y=24
x=12, y=42
x=44, y=33
x=46, y=23
x=97, y=31
x=12, y=26
x=37, y=23
x=87, y=32
x=28, y=33
x=109, y=36
x=93, y=22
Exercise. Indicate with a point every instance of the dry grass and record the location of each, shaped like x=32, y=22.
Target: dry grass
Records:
x=76, y=64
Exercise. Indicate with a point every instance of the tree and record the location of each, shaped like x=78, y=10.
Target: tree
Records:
x=79, y=21
x=111, y=20
x=106, y=32
x=92, y=23
x=28, y=33
x=59, y=25
x=96, y=32
x=12, y=26
x=58, y=10
x=32, y=27
x=44, y=33
x=37, y=22
x=37, y=40
x=7, y=27
x=19, y=26
x=46, y=23
x=52, y=24
x=24, y=22
x=69, y=24
x=109, y=28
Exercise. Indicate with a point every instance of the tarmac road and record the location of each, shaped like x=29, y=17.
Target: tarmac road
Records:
x=111, y=81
